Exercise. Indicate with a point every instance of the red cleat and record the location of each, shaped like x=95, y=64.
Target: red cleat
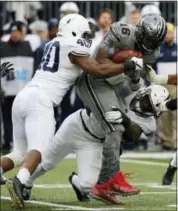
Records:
x=102, y=193
x=118, y=185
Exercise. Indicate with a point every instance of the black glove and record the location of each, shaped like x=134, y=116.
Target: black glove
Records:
x=135, y=65
x=5, y=68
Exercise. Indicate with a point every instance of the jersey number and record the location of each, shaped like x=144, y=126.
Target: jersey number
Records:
x=50, y=60
x=125, y=29
x=86, y=43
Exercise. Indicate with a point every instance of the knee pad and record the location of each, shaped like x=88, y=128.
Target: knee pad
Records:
x=16, y=157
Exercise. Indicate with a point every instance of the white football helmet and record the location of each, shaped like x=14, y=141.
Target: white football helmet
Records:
x=148, y=100
x=73, y=25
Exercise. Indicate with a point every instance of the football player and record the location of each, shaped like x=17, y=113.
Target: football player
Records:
x=169, y=105
x=99, y=95
x=32, y=111
x=86, y=139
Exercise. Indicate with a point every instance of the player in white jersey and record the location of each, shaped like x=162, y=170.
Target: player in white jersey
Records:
x=86, y=138
x=32, y=112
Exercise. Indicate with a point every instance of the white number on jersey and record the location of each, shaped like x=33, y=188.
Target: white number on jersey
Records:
x=50, y=60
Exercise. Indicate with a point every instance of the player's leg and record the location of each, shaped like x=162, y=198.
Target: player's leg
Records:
x=170, y=171
x=39, y=128
x=100, y=97
x=89, y=159
x=16, y=157
x=61, y=145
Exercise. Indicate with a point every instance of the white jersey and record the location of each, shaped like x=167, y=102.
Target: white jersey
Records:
x=56, y=73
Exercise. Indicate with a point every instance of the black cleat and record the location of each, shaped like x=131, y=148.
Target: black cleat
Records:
x=26, y=193
x=3, y=180
x=169, y=175
x=83, y=197
x=15, y=188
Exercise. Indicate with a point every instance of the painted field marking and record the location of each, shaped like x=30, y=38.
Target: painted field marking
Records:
x=146, y=184
x=171, y=187
x=152, y=193
x=67, y=207
x=138, y=155
x=172, y=205
x=150, y=163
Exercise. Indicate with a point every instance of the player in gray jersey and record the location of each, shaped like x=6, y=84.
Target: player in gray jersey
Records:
x=99, y=95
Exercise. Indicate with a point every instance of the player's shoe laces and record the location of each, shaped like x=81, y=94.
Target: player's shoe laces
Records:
x=118, y=185
x=3, y=180
x=15, y=188
x=101, y=192
x=169, y=175
x=80, y=196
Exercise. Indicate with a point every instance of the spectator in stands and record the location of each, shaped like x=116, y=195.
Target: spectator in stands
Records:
x=105, y=19
x=134, y=16
x=68, y=8
x=19, y=53
x=33, y=39
x=40, y=28
x=166, y=64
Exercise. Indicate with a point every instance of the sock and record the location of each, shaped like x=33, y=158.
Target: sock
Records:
x=1, y=171
x=23, y=175
x=37, y=173
x=174, y=161
x=111, y=153
x=76, y=182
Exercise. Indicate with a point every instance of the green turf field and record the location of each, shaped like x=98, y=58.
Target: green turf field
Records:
x=53, y=192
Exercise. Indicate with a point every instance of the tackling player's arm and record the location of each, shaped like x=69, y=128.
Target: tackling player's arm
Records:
x=92, y=67
x=161, y=79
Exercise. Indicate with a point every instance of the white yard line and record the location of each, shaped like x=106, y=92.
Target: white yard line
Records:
x=139, y=155
x=67, y=207
x=147, y=184
x=172, y=205
x=155, y=193
x=150, y=163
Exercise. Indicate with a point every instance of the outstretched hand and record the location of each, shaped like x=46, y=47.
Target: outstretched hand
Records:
x=5, y=68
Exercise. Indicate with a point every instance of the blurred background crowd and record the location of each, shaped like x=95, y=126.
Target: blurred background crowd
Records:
x=26, y=27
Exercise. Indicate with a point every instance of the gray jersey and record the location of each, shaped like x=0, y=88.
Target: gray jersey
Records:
x=122, y=36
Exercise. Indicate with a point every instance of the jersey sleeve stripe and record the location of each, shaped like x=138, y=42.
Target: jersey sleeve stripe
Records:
x=79, y=54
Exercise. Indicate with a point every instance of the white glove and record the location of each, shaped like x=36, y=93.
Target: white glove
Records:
x=138, y=62
x=151, y=76
x=114, y=117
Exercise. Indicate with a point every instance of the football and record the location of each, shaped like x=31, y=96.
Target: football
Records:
x=124, y=55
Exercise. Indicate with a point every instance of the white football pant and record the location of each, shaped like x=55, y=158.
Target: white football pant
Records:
x=33, y=120
x=73, y=138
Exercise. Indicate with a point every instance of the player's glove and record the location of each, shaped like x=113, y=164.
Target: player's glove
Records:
x=132, y=66
x=5, y=68
x=114, y=117
x=151, y=76
x=117, y=116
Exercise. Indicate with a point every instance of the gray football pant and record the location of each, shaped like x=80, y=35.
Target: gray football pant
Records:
x=99, y=97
